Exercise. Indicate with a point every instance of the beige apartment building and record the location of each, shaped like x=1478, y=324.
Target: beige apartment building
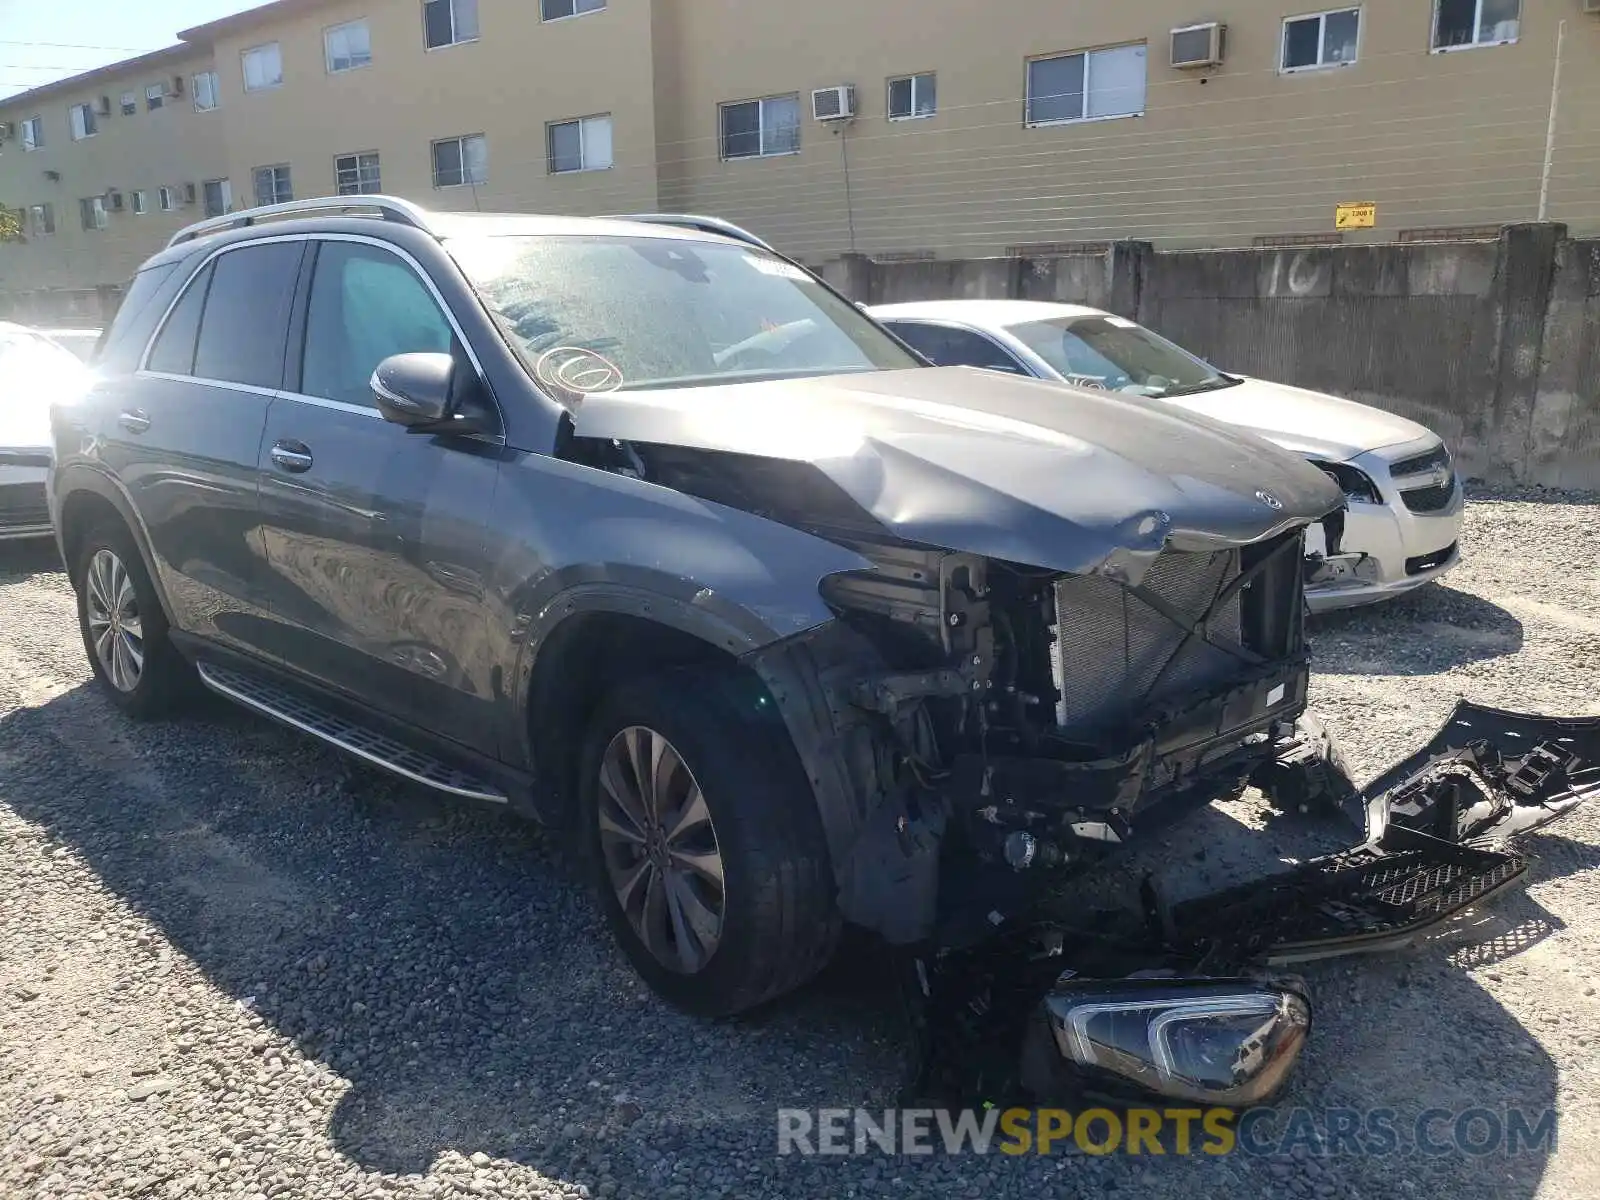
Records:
x=894, y=129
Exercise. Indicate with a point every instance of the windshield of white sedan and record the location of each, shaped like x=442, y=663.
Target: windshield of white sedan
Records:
x=1116, y=354
x=591, y=313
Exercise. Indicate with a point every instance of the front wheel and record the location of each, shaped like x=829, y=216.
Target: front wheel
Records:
x=124, y=627
x=709, y=857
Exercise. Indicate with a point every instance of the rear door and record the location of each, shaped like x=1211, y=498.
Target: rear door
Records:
x=374, y=536
x=185, y=434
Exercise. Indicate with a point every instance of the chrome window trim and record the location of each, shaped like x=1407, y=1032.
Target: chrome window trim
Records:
x=400, y=252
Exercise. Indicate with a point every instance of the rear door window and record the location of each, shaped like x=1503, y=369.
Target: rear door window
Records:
x=173, y=352
x=246, y=321
x=365, y=305
x=949, y=347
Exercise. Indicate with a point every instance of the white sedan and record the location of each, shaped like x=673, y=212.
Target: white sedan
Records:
x=34, y=371
x=1403, y=525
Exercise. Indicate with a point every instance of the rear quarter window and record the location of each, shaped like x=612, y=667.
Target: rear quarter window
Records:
x=136, y=312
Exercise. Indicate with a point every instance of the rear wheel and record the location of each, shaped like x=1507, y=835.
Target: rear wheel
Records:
x=709, y=856
x=124, y=627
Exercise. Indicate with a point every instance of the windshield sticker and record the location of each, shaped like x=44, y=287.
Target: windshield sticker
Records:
x=577, y=371
x=775, y=266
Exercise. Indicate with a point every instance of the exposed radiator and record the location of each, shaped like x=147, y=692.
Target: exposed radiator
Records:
x=1110, y=648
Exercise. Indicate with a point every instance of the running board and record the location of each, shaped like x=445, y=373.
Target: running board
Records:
x=367, y=744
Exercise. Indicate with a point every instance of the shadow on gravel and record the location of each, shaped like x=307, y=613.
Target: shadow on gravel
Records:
x=1427, y=632
x=18, y=560
x=444, y=961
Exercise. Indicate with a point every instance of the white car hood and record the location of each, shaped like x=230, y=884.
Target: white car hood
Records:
x=1311, y=423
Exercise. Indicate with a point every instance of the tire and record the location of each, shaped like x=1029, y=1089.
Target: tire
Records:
x=125, y=628
x=777, y=924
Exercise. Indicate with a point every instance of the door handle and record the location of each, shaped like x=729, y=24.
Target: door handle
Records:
x=292, y=456
x=134, y=420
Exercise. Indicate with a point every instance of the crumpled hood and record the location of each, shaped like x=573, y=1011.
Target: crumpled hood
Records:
x=997, y=465
x=1311, y=423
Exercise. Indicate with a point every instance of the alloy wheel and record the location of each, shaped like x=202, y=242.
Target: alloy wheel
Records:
x=115, y=628
x=660, y=849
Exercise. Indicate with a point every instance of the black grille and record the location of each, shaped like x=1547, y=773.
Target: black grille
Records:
x=1430, y=499
x=23, y=504
x=1418, y=464
x=1114, y=654
x=1427, y=562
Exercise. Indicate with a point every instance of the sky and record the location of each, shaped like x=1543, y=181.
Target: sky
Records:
x=45, y=40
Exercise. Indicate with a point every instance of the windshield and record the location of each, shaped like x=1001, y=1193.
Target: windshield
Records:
x=596, y=312
x=1116, y=354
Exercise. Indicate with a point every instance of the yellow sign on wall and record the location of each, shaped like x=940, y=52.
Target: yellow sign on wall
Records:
x=1355, y=216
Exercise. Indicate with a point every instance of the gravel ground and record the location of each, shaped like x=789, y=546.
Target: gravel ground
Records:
x=230, y=965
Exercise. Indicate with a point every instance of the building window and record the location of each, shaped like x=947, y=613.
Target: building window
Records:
x=582, y=145
x=206, y=94
x=1461, y=23
x=272, y=184
x=461, y=160
x=912, y=96
x=33, y=133
x=155, y=95
x=130, y=103
x=1321, y=40
x=347, y=47
x=92, y=212
x=164, y=199
x=218, y=195
x=761, y=128
x=1088, y=86
x=357, y=174
x=81, y=117
x=42, y=219
x=449, y=22
x=554, y=10
x=263, y=67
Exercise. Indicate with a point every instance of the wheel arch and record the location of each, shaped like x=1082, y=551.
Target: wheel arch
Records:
x=588, y=652
x=86, y=497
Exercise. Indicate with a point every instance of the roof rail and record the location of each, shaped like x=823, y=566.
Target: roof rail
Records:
x=703, y=224
x=390, y=208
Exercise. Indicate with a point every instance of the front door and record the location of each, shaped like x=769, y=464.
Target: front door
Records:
x=375, y=536
x=184, y=433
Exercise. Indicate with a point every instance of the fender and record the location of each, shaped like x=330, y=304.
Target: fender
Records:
x=685, y=605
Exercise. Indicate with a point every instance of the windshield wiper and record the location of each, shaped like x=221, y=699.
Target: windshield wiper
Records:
x=1210, y=385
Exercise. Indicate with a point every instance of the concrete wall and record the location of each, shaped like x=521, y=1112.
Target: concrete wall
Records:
x=1493, y=344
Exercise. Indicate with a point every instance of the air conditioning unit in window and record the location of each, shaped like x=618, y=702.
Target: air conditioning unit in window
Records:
x=104, y=106
x=1199, y=45
x=834, y=103
x=7, y=130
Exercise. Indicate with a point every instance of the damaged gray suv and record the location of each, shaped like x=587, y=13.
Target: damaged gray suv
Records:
x=638, y=527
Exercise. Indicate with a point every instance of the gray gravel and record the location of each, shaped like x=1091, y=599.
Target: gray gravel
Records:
x=231, y=965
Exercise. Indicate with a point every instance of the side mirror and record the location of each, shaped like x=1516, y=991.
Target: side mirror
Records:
x=413, y=389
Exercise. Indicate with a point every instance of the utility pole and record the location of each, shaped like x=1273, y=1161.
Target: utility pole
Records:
x=1550, y=130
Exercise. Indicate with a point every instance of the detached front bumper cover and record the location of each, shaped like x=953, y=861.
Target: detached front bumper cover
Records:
x=1179, y=1003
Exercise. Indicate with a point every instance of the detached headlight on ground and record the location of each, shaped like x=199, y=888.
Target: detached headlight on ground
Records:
x=1215, y=1042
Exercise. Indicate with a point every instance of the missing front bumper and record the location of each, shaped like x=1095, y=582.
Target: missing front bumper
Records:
x=1017, y=1016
